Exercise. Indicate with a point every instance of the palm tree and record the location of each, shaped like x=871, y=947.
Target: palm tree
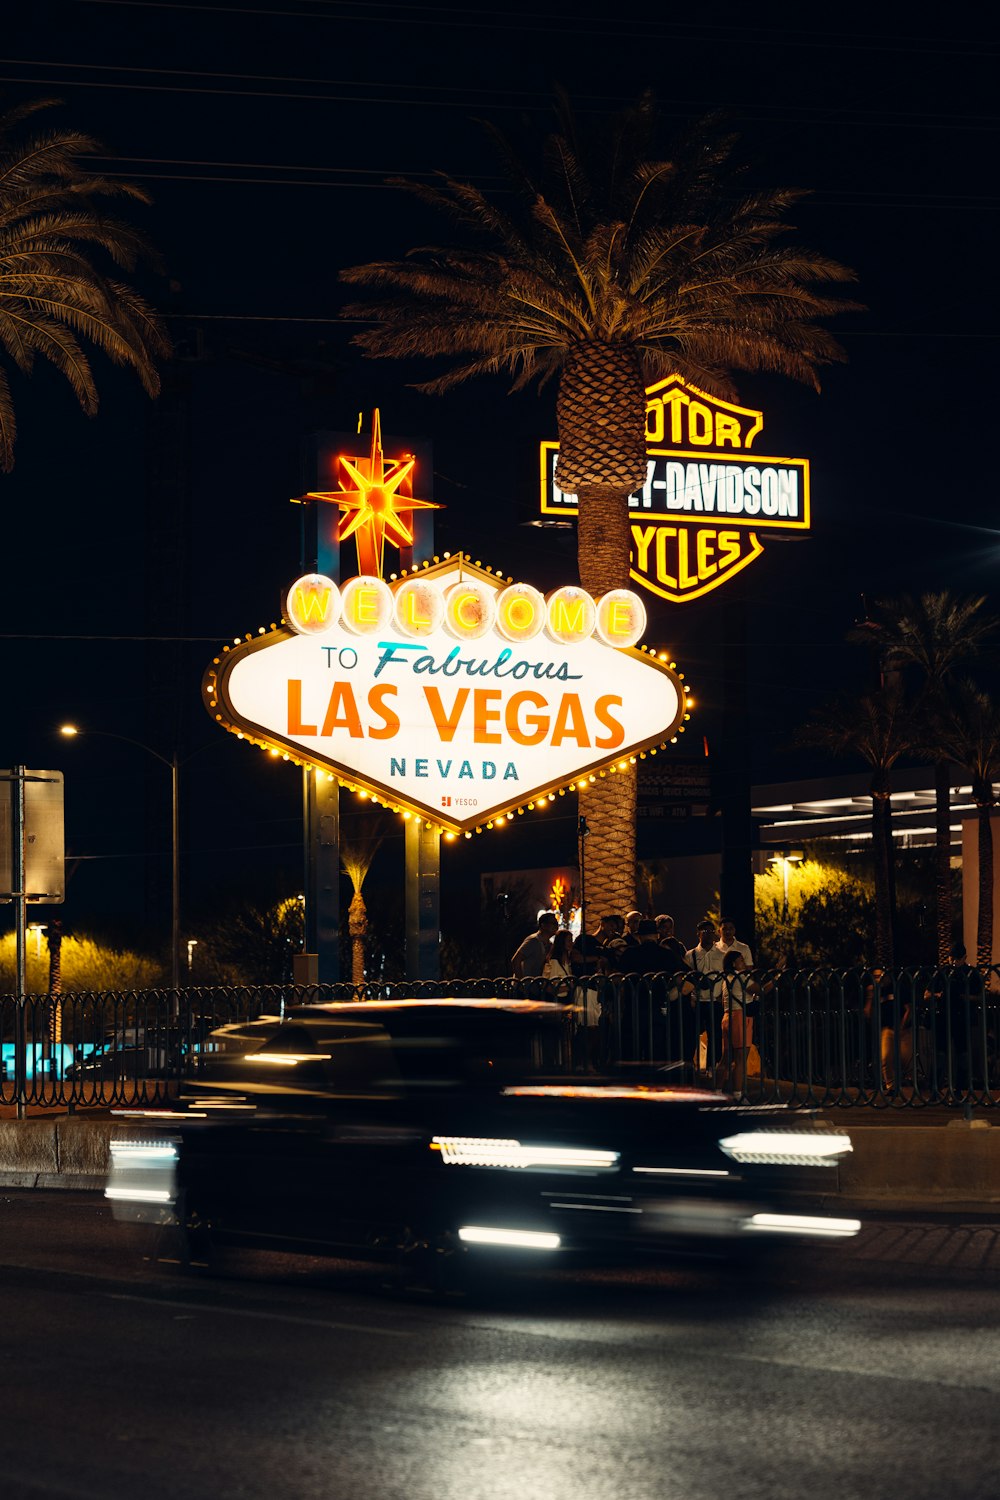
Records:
x=932, y=633
x=52, y=292
x=608, y=269
x=970, y=734
x=356, y=856
x=879, y=729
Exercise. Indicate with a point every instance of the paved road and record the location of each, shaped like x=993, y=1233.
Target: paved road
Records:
x=869, y=1373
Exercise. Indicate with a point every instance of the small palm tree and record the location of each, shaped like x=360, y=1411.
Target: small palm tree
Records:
x=52, y=292
x=969, y=729
x=879, y=729
x=356, y=856
x=610, y=267
x=932, y=633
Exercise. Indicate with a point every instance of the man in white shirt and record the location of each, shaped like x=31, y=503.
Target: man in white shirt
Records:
x=707, y=958
x=729, y=943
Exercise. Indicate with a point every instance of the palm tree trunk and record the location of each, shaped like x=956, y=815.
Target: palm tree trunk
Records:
x=942, y=866
x=882, y=853
x=357, y=926
x=608, y=805
x=984, y=925
x=608, y=851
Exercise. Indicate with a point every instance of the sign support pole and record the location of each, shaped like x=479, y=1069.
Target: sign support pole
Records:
x=423, y=901
x=321, y=798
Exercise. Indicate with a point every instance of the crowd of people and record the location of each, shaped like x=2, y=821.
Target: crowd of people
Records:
x=718, y=999
x=922, y=1029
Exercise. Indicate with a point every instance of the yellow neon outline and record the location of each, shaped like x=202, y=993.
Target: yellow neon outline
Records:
x=717, y=401
x=676, y=597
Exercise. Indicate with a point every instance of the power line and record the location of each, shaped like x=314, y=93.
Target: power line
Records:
x=468, y=99
x=643, y=28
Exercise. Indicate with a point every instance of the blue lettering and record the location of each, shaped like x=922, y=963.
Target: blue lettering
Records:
x=444, y=767
x=397, y=767
x=511, y=772
x=489, y=770
x=465, y=770
x=388, y=650
x=420, y=768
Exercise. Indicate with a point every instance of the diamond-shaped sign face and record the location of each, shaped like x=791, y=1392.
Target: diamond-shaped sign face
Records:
x=437, y=702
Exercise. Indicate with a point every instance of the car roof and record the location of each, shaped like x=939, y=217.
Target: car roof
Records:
x=498, y=1003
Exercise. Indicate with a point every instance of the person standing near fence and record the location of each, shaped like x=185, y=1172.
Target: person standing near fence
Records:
x=529, y=960
x=558, y=967
x=705, y=993
x=673, y=948
x=730, y=943
x=740, y=1000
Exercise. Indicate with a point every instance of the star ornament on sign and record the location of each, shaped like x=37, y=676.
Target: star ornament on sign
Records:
x=374, y=508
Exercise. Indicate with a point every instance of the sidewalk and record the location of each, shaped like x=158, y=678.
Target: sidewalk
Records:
x=927, y=1158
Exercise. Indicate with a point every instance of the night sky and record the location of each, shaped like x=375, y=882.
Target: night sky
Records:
x=264, y=134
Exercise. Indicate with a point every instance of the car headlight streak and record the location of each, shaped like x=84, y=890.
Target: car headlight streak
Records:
x=486, y=1151
x=787, y=1148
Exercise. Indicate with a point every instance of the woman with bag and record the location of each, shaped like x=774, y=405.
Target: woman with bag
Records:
x=558, y=968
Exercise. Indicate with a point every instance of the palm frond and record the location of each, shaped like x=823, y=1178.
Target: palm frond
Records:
x=53, y=291
x=668, y=255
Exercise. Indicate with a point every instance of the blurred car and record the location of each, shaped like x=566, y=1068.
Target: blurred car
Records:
x=436, y=1133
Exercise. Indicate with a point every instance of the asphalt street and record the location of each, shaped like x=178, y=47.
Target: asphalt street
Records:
x=868, y=1370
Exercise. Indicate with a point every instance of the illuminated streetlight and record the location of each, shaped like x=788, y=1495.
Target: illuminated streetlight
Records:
x=784, y=859
x=70, y=731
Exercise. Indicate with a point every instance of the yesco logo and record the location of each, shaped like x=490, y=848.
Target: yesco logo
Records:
x=452, y=693
x=707, y=496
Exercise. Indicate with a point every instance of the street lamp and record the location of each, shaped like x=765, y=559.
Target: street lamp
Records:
x=784, y=859
x=70, y=731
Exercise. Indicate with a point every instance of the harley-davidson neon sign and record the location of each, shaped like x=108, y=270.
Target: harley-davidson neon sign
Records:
x=696, y=520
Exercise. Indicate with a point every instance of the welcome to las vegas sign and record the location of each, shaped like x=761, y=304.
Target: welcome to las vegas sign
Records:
x=452, y=694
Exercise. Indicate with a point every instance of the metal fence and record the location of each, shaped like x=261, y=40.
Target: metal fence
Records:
x=813, y=1037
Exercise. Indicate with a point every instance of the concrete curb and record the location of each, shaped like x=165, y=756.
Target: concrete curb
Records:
x=60, y=1152
x=955, y=1164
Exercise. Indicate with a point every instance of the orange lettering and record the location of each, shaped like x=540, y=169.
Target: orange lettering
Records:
x=484, y=715
x=570, y=724
x=390, y=719
x=342, y=712
x=295, y=724
x=538, y=723
x=444, y=725
x=616, y=734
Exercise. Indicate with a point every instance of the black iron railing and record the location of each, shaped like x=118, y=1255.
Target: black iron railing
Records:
x=812, y=1037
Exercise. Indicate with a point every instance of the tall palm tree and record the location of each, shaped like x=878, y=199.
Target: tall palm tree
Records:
x=53, y=293
x=879, y=729
x=932, y=633
x=609, y=268
x=970, y=733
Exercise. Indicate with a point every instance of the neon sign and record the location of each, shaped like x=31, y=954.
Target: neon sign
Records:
x=696, y=520
x=377, y=501
x=452, y=694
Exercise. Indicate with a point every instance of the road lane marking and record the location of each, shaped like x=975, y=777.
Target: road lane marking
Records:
x=266, y=1317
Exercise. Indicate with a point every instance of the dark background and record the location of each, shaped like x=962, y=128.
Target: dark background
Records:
x=135, y=543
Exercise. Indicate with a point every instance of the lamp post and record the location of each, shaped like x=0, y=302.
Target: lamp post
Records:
x=70, y=731
x=784, y=859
